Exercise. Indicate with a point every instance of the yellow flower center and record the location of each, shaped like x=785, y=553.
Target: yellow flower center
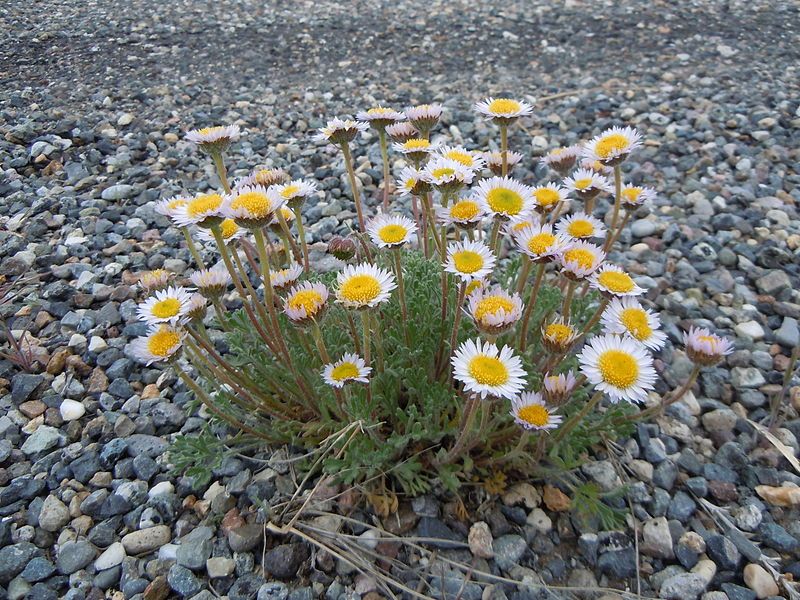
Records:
x=287, y=214
x=290, y=190
x=580, y=228
x=631, y=194
x=557, y=151
x=517, y=227
x=503, y=106
x=597, y=166
x=166, y=308
x=344, y=371
x=472, y=286
x=535, y=414
x=546, y=196
x=488, y=370
x=443, y=172
x=256, y=204
x=491, y=305
x=618, y=368
x=711, y=340
x=558, y=332
x=467, y=261
x=615, y=281
x=228, y=227
x=392, y=234
x=410, y=183
x=310, y=300
x=379, y=110
x=176, y=202
x=268, y=176
x=611, y=145
x=541, y=242
x=583, y=184
x=585, y=258
x=503, y=200
x=209, y=130
x=464, y=210
x=203, y=205
x=162, y=342
x=635, y=321
x=460, y=156
x=417, y=144
x=360, y=288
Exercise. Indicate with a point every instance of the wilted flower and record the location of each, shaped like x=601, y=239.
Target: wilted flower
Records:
x=494, y=160
x=306, y=302
x=494, y=310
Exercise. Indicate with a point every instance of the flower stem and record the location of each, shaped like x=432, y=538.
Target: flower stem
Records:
x=192, y=248
x=524, y=272
x=401, y=292
x=523, y=335
x=504, y=148
x=462, y=290
x=467, y=417
x=386, y=170
x=493, y=243
x=365, y=326
x=576, y=419
x=348, y=163
x=301, y=233
x=567, y=305
x=221, y=171
x=617, y=203
x=615, y=235
x=220, y=310
x=287, y=238
x=320, y=343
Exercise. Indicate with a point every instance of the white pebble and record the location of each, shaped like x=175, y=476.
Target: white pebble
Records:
x=161, y=489
x=113, y=556
x=72, y=410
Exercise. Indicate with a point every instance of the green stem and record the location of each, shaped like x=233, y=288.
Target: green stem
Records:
x=523, y=335
x=493, y=243
x=348, y=163
x=617, y=203
x=576, y=419
x=220, y=310
x=192, y=248
x=386, y=170
x=524, y=272
x=288, y=238
x=221, y=171
x=298, y=218
x=365, y=336
x=398, y=267
x=567, y=305
x=504, y=148
x=468, y=416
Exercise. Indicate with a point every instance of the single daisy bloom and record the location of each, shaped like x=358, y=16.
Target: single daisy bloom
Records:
x=558, y=388
x=288, y=217
x=170, y=206
x=447, y=175
x=391, y=231
x=165, y=306
x=465, y=213
x=494, y=310
x=474, y=286
x=515, y=226
x=580, y=259
x=469, y=260
x=539, y=242
x=596, y=166
x=547, y=197
x=213, y=282
x=380, y=117
x=158, y=279
x=562, y=160
x=613, y=145
x=471, y=160
x=486, y=371
x=228, y=228
x=162, y=342
x=364, y=286
x=204, y=211
x=294, y=193
x=503, y=110
x=705, y=348
x=531, y=412
x=416, y=149
x=350, y=368
x=558, y=336
x=402, y=131
x=281, y=279
x=340, y=131
x=412, y=183
x=634, y=196
x=252, y=207
x=196, y=309
x=425, y=116
x=494, y=160
x=625, y=316
x=214, y=140
x=580, y=226
x=587, y=184
x=263, y=177
x=306, y=303
x=613, y=281
x=620, y=367
x=504, y=198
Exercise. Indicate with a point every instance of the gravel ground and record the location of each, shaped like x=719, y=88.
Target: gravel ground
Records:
x=94, y=100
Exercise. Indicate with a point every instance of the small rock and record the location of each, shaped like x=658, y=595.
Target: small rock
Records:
x=480, y=540
x=684, y=586
x=71, y=410
x=113, y=556
x=219, y=566
x=284, y=561
x=53, y=515
x=508, y=549
x=761, y=582
x=723, y=552
x=656, y=538
x=146, y=540
x=555, y=499
x=73, y=556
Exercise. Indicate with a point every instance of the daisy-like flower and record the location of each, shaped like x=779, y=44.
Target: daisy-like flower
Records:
x=620, y=367
x=263, y=177
x=474, y=286
x=705, y=348
x=596, y=166
x=295, y=192
x=169, y=206
x=204, y=211
x=613, y=281
x=547, y=197
x=494, y=160
x=558, y=388
x=558, y=336
x=213, y=282
x=471, y=160
x=288, y=217
x=402, y=131
x=581, y=259
x=515, y=226
x=505, y=198
x=214, y=140
x=447, y=175
x=306, y=303
x=613, y=145
x=634, y=196
x=412, y=183
x=494, y=310
x=503, y=111
x=486, y=371
x=469, y=260
x=380, y=117
x=562, y=160
x=350, y=368
x=587, y=184
x=391, y=231
x=281, y=279
x=425, y=116
x=416, y=149
x=228, y=228
x=340, y=131
x=465, y=213
x=531, y=412
x=162, y=342
x=364, y=286
x=580, y=226
x=252, y=207
x=165, y=306
x=539, y=242
x=196, y=309
x=158, y=279
x=625, y=316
